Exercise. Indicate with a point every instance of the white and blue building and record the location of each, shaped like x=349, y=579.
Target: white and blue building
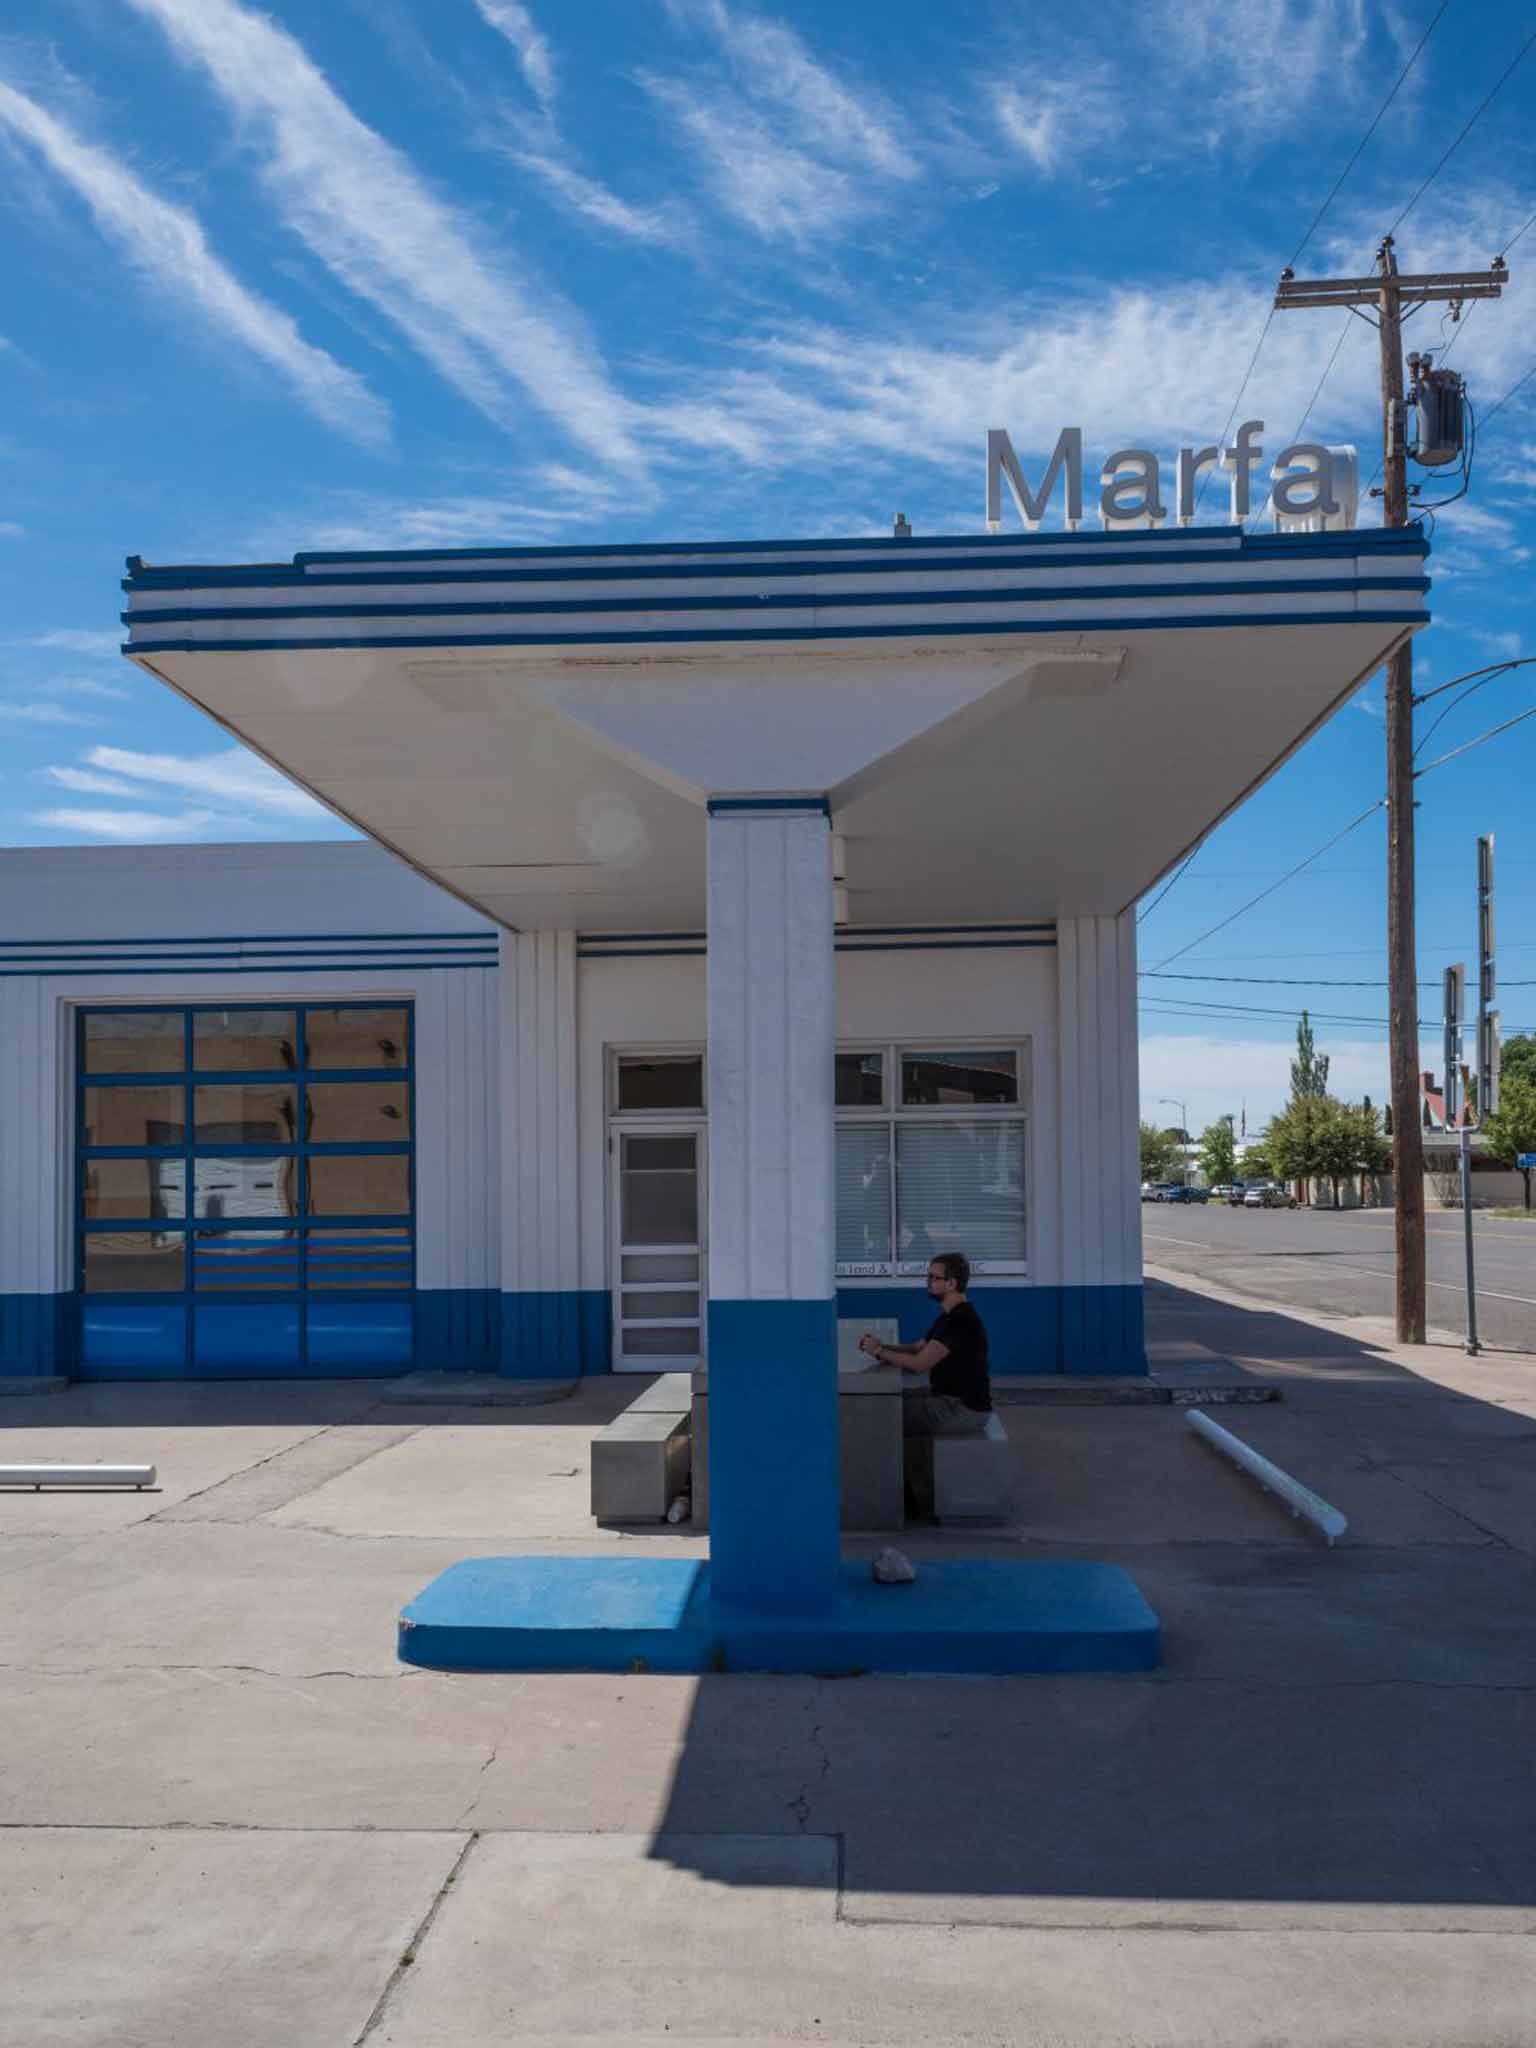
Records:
x=735, y=926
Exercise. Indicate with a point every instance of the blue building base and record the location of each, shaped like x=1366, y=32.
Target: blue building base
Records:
x=659, y=1614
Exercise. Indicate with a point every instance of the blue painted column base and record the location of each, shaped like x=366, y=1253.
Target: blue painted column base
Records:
x=555, y=1336
x=774, y=1459
x=666, y=1615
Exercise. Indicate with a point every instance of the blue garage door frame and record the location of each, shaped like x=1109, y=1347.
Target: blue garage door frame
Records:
x=229, y=1172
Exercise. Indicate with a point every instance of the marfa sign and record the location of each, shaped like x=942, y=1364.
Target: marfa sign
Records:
x=1311, y=487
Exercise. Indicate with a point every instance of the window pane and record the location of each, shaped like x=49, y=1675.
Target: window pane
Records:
x=135, y=1042
x=659, y=1266
x=959, y=1077
x=863, y=1193
x=646, y=1308
x=359, y=1258
x=356, y=1038
x=266, y=1260
x=236, y=1188
x=675, y=1083
x=261, y=1113
x=244, y=1041
x=659, y=1191
x=644, y=1341
x=134, y=1116
x=960, y=1187
x=358, y=1112
x=859, y=1080
x=133, y=1262
x=132, y=1187
x=374, y=1185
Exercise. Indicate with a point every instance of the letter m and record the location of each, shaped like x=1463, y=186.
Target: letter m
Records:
x=1002, y=462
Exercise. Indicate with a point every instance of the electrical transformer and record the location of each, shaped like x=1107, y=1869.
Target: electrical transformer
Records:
x=1438, y=418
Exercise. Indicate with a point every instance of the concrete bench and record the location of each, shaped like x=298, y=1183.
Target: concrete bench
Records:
x=640, y=1462
x=972, y=1476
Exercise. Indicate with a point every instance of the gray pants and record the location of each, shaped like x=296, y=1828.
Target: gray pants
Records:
x=924, y=1416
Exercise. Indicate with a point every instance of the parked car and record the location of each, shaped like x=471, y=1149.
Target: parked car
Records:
x=1269, y=1196
x=1157, y=1190
x=1237, y=1194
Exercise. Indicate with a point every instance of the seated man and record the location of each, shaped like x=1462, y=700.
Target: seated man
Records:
x=958, y=1396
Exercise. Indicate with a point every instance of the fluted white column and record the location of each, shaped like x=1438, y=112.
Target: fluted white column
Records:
x=772, y=1313
x=549, y=1329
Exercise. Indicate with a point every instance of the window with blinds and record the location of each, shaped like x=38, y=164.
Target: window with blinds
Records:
x=932, y=1147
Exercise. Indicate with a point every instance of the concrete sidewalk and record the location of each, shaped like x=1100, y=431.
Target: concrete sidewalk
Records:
x=232, y=1818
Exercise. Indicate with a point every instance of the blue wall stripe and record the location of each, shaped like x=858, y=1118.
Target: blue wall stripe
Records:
x=94, y=973
x=277, y=939
x=249, y=953
x=662, y=601
x=962, y=629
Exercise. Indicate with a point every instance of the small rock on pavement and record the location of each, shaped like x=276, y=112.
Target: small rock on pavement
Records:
x=891, y=1568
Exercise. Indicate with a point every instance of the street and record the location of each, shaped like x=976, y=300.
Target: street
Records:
x=1341, y=1262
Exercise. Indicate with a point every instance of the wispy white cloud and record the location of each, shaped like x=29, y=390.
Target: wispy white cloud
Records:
x=77, y=640
x=166, y=245
x=232, y=777
x=1051, y=119
x=360, y=206
x=131, y=828
x=595, y=202
x=12, y=529
x=1255, y=55
x=789, y=149
x=1215, y=1075
x=515, y=22
x=81, y=686
x=32, y=712
x=551, y=502
x=85, y=782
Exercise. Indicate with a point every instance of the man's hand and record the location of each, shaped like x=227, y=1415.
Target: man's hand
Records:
x=869, y=1343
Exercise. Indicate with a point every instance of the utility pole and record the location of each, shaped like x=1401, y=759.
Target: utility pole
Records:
x=1395, y=297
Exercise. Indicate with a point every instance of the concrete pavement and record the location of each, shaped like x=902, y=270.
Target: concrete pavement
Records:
x=230, y=1817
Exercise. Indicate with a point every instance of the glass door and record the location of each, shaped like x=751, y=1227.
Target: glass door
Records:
x=658, y=1304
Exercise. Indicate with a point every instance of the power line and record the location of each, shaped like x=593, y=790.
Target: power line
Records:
x=1471, y=123
x=1509, y=394
x=1379, y=804
x=1181, y=869
x=1312, y=230
x=1475, y=681
x=1491, y=734
x=1294, y=980
x=1477, y=115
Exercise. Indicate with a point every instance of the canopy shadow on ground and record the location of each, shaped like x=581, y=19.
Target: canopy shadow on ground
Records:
x=1330, y=1729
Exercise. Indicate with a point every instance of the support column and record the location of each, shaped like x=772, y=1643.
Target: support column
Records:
x=550, y=1329
x=773, y=1424
x=1097, y=1128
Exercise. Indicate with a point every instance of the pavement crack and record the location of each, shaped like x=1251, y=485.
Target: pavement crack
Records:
x=228, y=1478
x=412, y=1948
x=247, y=1670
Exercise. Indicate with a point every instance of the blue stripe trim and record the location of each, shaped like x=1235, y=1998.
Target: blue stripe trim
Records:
x=876, y=931
x=745, y=806
x=95, y=972
x=275, y=939
x=1223, y=542
x=928, y=628
x=782, y=601
x=456, y=958
x=697, y=952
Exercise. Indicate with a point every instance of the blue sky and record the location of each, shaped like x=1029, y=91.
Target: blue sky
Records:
x=480, y=271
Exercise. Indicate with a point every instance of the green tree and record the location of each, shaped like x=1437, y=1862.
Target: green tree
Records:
x=1256, y=1164
x=1218, y=1153
x=1517, y=1058
x=1336, y=1136
x=1309, y=1069
x=1375, y=1149
x=1292, y=1139
x=1512, y=1128
x=1160, y=1153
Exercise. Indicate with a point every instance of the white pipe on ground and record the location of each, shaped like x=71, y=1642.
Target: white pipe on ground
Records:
x=1301, y=1500
x=39, y=1476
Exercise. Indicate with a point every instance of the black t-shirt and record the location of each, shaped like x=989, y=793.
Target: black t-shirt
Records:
x=964, y=1373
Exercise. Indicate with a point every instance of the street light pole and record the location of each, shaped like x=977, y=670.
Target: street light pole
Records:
x=1173, y=1102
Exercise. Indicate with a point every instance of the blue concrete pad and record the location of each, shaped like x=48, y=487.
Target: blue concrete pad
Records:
x=660, y=1614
